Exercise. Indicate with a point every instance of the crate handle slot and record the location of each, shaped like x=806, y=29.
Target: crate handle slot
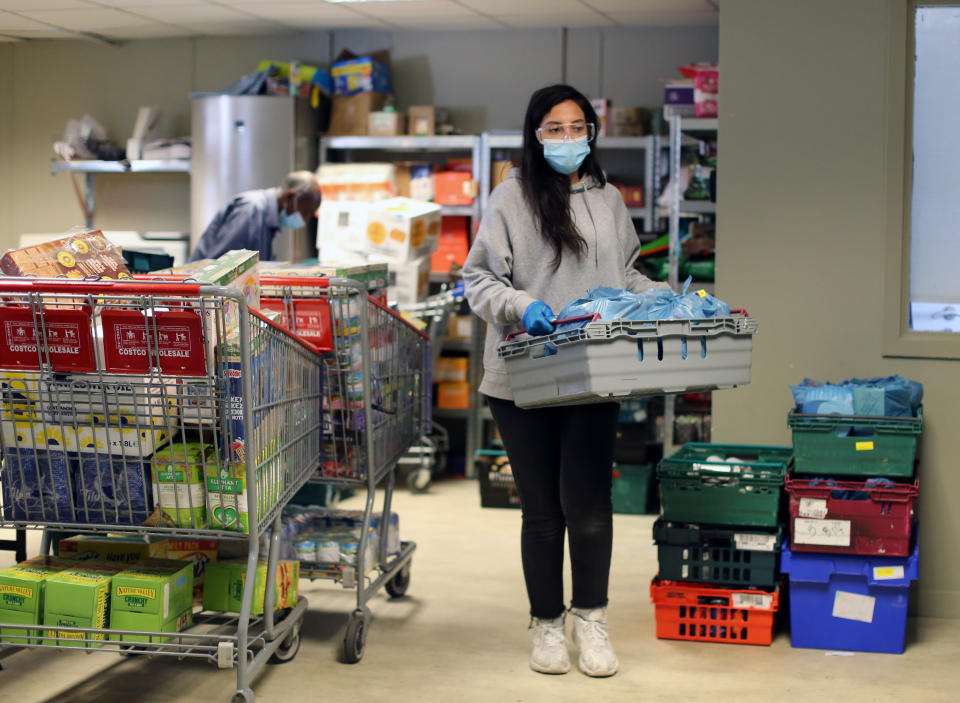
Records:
x=683, y=348
x=659, y=349
x=703, y=347
x=640, y=350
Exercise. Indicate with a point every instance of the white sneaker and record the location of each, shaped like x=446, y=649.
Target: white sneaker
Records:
x=597, y=657
x=550, y=654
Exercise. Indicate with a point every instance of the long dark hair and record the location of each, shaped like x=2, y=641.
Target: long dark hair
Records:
x=546, y=191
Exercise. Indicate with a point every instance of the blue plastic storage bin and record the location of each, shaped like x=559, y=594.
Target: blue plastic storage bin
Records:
x=841, y=601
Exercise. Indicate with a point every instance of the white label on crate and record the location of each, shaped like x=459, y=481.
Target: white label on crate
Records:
x=853, y=606
x=721, y=468
x=755, y=542
x=887, y=573
x=685, y=571
x=829, y=533
x=762, y=601
x=813, y=507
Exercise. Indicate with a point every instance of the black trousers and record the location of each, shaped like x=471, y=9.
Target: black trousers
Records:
x=562, y=461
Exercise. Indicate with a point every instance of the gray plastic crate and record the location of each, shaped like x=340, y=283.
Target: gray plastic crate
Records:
x=628, y=358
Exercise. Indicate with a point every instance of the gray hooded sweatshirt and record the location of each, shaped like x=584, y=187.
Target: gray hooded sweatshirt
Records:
x=509, y=264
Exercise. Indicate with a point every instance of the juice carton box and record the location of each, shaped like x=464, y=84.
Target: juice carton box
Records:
x=200, y=552
x=22, y=589
x=121, y=549
x=153, y=595
x=178, y=482
x=224, y=583
x=78, y=597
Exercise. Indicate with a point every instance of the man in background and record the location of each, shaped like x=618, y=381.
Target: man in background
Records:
x=252, y=219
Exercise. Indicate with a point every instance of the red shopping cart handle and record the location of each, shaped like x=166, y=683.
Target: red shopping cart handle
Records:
x=68, y=285
x=592, y=317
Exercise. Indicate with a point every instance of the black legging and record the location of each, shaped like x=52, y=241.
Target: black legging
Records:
x=562, y=461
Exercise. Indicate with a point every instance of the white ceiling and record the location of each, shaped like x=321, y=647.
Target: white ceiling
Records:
x=144, y=19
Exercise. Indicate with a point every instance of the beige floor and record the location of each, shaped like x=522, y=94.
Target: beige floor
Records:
x=461, y=636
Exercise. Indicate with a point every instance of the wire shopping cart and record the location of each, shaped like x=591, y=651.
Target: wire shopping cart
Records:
x=427, y=457
x=96, y=378
x=376, y=404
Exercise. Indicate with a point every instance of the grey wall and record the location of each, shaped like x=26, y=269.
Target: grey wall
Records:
x=802, y=227
x=484, y=77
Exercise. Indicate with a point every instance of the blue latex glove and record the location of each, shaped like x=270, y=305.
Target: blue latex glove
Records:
x=538, y=319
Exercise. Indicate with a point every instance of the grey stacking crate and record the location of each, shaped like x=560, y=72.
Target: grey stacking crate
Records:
x=627, y=358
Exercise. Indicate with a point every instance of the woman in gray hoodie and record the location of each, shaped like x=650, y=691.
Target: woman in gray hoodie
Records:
x=552, y=230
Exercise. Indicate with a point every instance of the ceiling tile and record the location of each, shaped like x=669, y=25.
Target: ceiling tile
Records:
x=663, y=18
x=655, y=10
x=500, y=8
x=85, y=20
x=178, y=14
x=139, y=4
x=309, y=15
x=467, y=22
x=429, y=9
x=233, y=27
x=144, y=31
x=583, y=19
x=17, y=5
x=16, y=22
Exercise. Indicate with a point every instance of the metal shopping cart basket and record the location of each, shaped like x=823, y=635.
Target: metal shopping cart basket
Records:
x=376, y=404
x=427, y=457
x=164, y=410
x=627, y=358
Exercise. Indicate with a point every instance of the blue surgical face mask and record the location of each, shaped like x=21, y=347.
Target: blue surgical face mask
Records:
x=292, y=221
x=565, y=157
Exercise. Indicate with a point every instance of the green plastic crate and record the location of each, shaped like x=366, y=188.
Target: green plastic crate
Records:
x=882, y=446
x=718, y=555
x=746, y=493
x=631, y=488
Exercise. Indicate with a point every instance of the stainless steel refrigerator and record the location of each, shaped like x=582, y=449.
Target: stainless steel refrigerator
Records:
x=248, y=142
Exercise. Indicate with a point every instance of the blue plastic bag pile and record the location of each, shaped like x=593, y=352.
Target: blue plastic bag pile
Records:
x=893, y=396
x=656, y=304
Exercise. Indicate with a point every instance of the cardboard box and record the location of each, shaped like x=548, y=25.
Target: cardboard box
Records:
x=360, y=74
x=224, y=583
x=602, y=107
x=414, y=180
x=22, y=588
x=74, y=256
x=350, y=115
x=386, y=124
x=178, y=482
x=453, y=246
x=117, y=441
x=706, y=93
x=410, y=281
x=237, y=270
x=454, y=188
x=453, y=396
x=357, y=181
x=499, y=171
x=629, y=122
x=460, y=328
x=199, y=552
x=422, y=121
x=120, y=549
x=154, y=595
x=451, y=369
x=402, y=229
x=78, y=597
x=342, y=226
x=678, y=98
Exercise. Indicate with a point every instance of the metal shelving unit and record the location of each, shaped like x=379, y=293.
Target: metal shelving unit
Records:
x=440, y=144
x=684, y=132
x=91, y=168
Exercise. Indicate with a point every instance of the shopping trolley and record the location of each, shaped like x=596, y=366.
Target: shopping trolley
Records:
x=376, y=404
x=427, y=457
x=98, y=381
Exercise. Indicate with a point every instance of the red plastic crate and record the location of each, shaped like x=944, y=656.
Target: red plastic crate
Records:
x=705, y=613
x=821, y=521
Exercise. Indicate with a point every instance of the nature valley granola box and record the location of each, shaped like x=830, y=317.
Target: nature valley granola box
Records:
x=225, y=580
x=22, y=588
x=153, y=595
x=124, y=549
x=78, y=597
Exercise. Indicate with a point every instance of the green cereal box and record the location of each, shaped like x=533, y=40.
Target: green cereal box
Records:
x=22, y=589
x=224, y=582
x=153, y=595
x=125, y=549
x=78, y=597
x=178, y=479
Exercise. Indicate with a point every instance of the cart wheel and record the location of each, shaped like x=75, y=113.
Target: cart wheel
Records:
x=355, y=639
x=288, y=648
x=397, y=586
x=418, y=480
x=244, y=695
